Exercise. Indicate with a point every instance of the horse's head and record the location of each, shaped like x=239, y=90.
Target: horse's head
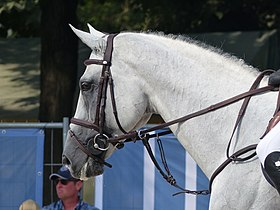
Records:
x=111, y=102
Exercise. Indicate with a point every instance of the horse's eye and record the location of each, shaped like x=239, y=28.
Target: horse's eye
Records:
x=85, y=86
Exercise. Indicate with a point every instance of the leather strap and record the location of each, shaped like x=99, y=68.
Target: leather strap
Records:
x=136, y=135
x=243, y=109
x=233, y=157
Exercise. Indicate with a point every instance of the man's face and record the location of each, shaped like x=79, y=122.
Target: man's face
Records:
x=67, y=189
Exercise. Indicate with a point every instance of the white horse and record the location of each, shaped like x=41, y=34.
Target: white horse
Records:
x=156, y=74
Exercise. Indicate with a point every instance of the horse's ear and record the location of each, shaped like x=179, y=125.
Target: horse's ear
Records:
x=94, y=32
x=97, y=44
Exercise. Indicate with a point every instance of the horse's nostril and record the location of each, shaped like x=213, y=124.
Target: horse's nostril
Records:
x=65, y=161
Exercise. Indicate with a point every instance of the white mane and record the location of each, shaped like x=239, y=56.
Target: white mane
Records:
x=184, y=54
x=184, y=44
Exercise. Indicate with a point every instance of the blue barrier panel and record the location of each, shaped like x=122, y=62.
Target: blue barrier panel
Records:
x=21, y=167
x=135, y=184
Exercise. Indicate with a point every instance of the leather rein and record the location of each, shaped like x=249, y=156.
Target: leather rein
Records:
x=101, y=140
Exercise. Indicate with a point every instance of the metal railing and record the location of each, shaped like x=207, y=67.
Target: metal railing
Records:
x=52, y=125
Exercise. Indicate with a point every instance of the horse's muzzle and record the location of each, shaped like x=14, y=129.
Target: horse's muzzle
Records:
x=95, y=147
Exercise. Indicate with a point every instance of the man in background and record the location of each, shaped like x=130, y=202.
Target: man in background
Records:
x=68, y=191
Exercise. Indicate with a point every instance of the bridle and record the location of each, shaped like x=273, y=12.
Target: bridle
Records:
x=97, y=146
x=100, y=141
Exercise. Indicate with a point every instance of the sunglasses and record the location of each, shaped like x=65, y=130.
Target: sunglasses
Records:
x=62, y=181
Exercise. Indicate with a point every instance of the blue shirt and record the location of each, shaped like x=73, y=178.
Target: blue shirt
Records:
x=59, y=206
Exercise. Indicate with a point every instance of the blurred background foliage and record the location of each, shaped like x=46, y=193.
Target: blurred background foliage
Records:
x=181, y=16
x=21, y=18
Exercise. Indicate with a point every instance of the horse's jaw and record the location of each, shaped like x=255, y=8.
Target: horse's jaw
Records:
x=91, y=168
x=82, y=167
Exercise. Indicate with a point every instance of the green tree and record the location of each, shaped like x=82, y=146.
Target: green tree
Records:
x=19, y=18
x=176, y=16
x=180, y=16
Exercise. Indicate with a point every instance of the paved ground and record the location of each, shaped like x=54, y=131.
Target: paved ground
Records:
x=19, y=79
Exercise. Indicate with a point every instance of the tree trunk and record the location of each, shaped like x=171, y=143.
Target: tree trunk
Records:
x=58, y=59
x=59, y=56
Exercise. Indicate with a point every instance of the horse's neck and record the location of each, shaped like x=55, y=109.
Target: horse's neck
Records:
x=183, y=78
